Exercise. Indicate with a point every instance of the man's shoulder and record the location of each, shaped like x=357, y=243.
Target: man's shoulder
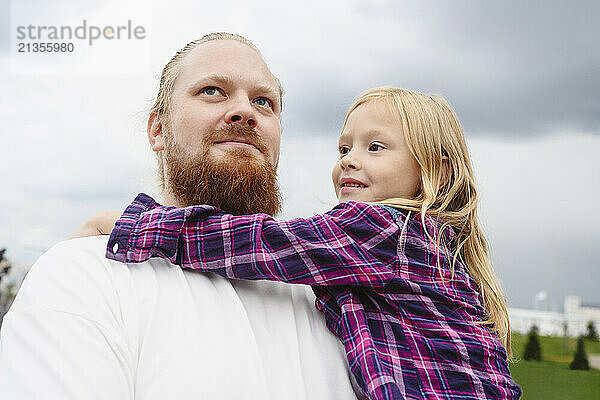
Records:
x=71, y=275
x=71, y=258
x=89, y=247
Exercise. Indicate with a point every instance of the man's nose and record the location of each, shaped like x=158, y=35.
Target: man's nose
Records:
x=241, y=112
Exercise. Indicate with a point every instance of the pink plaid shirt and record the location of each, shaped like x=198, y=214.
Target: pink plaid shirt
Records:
x=408, y=333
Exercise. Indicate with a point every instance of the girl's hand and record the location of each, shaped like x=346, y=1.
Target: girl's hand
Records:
x=99, y=224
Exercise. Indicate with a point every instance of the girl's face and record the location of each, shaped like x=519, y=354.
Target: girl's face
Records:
x=374, y=162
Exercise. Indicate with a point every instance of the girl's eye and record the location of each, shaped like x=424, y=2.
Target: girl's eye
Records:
x=210, y=91
x=263, y=102
x=344, y=150
x=375, y=147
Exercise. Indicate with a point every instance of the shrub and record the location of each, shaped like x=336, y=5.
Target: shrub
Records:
x=591, y=334
x=580, y=360
x=533, y=350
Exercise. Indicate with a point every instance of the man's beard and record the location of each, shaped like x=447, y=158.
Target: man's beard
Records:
x=239, y=182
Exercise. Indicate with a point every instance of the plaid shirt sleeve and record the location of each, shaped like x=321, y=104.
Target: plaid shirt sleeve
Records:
x=353, y=244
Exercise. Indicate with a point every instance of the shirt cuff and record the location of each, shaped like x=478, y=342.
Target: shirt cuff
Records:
x=147, y=229
x=118, y=242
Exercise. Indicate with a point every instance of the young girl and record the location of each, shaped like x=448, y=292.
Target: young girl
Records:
x=399, y=268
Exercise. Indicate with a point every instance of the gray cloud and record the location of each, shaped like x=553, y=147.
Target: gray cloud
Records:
x=509, y=68
x=561, y=265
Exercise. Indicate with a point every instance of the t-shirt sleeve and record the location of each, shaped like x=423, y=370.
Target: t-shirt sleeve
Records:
x=59, y=340
x=353, y=244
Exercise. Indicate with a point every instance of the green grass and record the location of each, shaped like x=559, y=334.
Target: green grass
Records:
x=553, y=348
x=552, y=378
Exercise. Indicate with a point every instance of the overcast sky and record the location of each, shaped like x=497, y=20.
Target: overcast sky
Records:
x=524, y=78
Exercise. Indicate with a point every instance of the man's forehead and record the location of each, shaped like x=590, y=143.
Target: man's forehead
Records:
x=229, y=59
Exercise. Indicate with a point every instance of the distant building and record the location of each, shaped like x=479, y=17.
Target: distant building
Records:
x=578, y=315
x=575, y=319
x=548, y=323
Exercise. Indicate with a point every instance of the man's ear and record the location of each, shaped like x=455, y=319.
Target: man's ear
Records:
x=155, y=132
x=446, y=171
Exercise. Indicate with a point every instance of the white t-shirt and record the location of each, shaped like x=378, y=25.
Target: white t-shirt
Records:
x=84, y=327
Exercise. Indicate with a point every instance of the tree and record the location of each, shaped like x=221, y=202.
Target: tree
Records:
x=533, y=350
x=566, y=338
x=580, y=360
x=7, y=295
x=4, y=264
x=591, y=334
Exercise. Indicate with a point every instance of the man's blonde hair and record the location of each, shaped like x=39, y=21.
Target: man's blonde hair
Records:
x=432, y=132
x=170, y=72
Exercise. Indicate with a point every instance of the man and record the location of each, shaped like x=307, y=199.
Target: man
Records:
x=84, y=327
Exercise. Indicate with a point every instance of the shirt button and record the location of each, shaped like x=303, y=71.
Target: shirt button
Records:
x=115, y=248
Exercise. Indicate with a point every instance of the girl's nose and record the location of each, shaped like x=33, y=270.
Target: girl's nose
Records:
x=350, y=161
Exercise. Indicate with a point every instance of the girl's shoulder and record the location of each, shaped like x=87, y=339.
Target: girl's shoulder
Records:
x=348, y=209
x=424, y=230
x=406, y=220
x=430, y=248
x=396, y=212
x=414, y=230
x=358, y=206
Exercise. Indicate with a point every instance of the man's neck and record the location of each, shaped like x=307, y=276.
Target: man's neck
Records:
x=170, y=199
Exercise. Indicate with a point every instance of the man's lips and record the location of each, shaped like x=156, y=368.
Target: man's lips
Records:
x=238, y=143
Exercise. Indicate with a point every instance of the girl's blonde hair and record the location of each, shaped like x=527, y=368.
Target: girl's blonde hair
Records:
x=434, y=136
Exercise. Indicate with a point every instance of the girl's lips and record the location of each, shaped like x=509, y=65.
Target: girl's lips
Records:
x=350, y=186
x=351, y=181
x=350, y=189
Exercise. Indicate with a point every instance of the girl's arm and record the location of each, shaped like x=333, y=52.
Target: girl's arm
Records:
x=101, y=223
x=353, y=244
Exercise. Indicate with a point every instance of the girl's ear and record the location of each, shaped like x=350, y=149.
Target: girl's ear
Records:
x=446, y=171
x=155, y=132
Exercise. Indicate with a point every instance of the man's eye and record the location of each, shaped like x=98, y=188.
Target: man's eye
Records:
x=375, y=147
x=209, y=91
x=344, y=150
x=263, y=102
